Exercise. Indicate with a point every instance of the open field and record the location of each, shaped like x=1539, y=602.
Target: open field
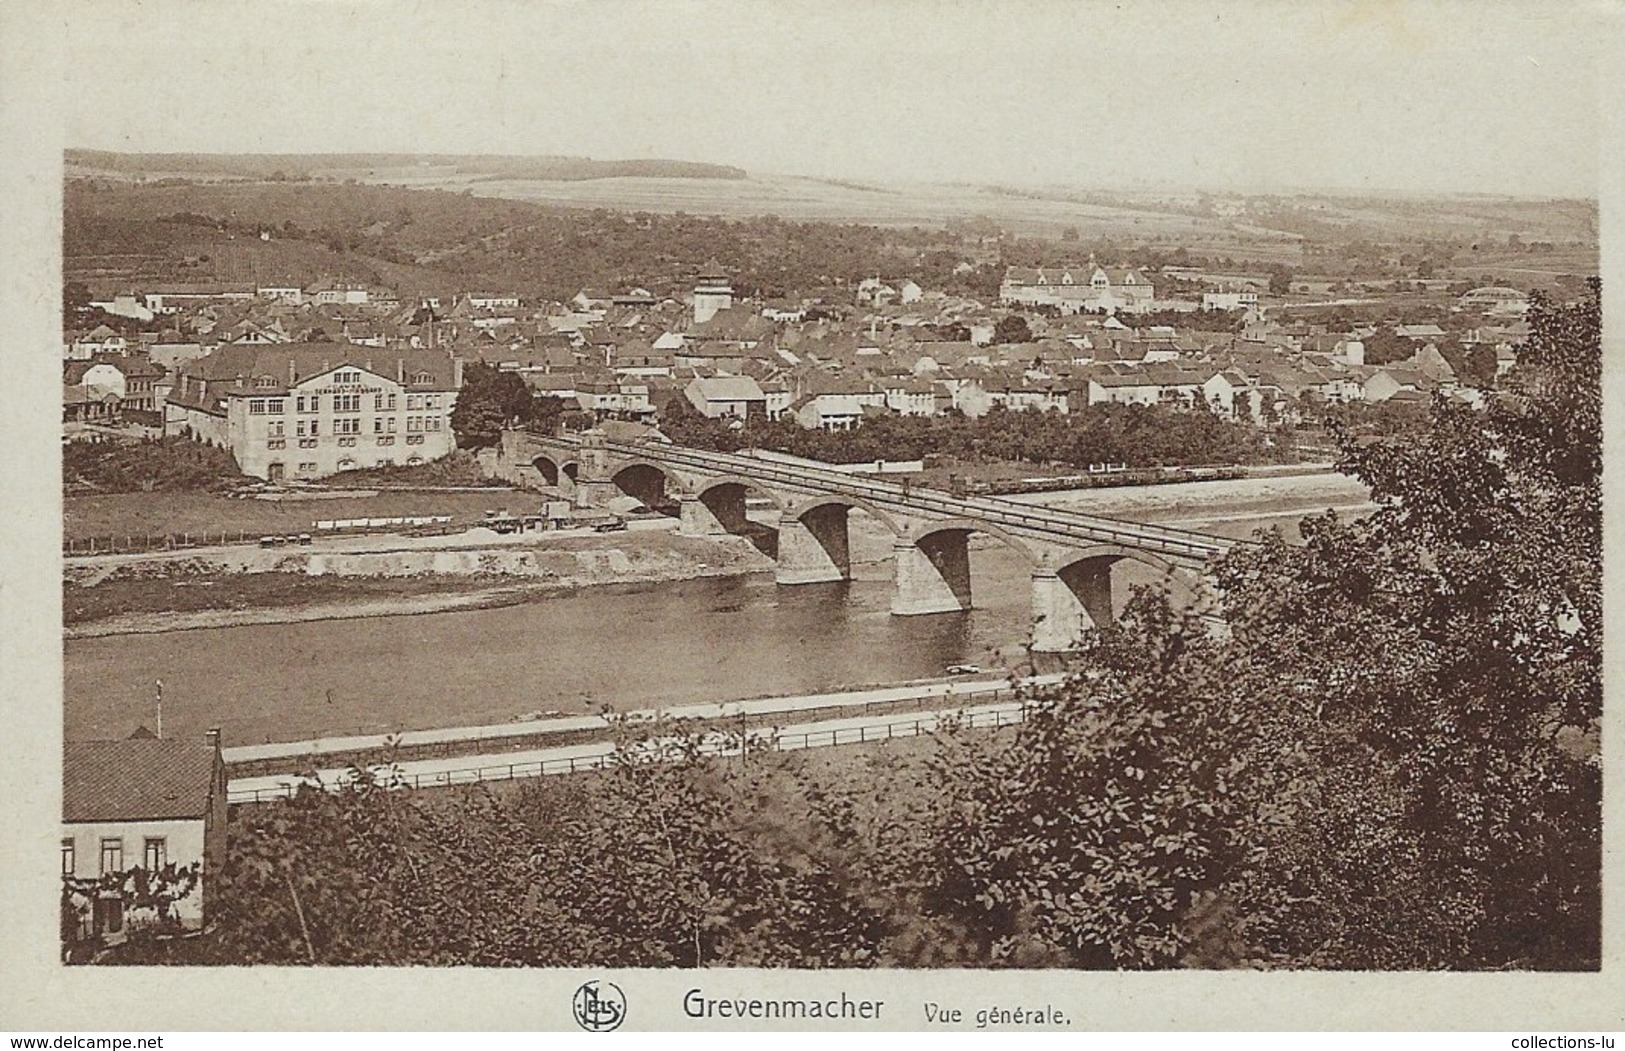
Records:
x=136, y=514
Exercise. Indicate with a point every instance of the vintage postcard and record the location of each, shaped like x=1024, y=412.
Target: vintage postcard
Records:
x=705, y=515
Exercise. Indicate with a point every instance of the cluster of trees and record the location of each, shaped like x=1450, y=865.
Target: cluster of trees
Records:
x=1138, y=435
x=1390, y=760
x=491, y=400
x=154, y=465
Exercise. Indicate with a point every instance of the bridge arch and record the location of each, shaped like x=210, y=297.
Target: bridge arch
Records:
x=933, y=565
x=553, y=468
x=1074, y=593
x=801, y=507
x=704, y=486
x=717, y=505
x=651, y=483
x=968, y=526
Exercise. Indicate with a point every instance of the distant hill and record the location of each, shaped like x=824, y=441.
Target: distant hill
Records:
x=300, y=166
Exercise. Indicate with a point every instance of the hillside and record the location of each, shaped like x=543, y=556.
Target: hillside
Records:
x=304, y=166
x=777, y=234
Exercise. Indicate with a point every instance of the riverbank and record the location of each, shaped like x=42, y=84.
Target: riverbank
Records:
x=143, y=597
x=1214, y=500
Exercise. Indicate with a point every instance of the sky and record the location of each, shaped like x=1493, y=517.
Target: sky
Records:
x=1491, y=96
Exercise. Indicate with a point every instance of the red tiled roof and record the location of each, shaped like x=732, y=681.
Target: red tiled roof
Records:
x=136, y=780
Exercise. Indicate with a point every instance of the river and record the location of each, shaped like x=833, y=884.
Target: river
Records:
x=629, y=647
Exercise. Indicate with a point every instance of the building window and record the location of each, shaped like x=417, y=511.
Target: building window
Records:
x=347, y=425
x=276, y=406
x=386, y=439
x=383, y=402
x=154, y=854
x=264, y=381
x=346, y=378
x=431, y=423
x=414, y=424
x=378, y=425
x=346, y=403
x=390, y=426
x=112, y=856
x=431, y=401
x=276, y=430
x=414, y=402
x=307, y=468
x=421, y=377
x=67, y=857
x=256, y=406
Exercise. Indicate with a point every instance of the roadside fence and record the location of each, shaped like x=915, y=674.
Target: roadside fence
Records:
x=132, y=544
x=482, y=741
x=715, y=744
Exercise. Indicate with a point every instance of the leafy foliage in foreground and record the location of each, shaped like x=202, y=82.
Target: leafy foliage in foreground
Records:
x=1390, y=760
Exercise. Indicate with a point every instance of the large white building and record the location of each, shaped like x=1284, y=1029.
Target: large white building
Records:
x=1075, y=289
x=307, y=410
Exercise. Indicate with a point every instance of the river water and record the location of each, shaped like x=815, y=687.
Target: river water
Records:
x=629, y=647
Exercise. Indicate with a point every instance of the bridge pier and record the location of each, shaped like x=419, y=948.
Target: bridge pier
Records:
x=1070, y=601
x=718, y=510
x=814, y=547
x=594, y=492
x=933, y=574
x=695, y=518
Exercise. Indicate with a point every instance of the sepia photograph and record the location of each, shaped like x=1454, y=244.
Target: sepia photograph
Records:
x=1053, y=488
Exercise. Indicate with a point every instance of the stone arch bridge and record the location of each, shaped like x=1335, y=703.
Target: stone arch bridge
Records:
x=1070, y=555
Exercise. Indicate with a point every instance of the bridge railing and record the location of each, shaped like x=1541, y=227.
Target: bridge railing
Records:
x=1064, y=523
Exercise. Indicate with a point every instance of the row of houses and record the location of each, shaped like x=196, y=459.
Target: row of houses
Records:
x=242, y=378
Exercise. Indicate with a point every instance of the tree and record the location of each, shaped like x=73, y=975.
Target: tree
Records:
x=1280, y=281
x=488, y=401
x=1391, y=761
x=75, y=298
x=1012, y=328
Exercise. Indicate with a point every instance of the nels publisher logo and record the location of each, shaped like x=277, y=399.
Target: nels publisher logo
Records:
x=599, y=1006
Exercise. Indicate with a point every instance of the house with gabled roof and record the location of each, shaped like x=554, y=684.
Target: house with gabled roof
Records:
x=714, y=397
x=145, y=803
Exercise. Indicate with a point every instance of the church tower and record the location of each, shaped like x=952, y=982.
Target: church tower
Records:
x=712, y=292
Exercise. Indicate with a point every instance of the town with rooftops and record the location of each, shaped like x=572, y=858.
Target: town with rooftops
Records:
x=371, y=482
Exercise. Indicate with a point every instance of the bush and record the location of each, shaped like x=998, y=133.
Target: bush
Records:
x=166, y=465
x=459, y=468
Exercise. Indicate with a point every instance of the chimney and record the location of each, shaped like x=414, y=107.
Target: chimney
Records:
x=400, y=371
x=293, y=376
x=212, y=738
